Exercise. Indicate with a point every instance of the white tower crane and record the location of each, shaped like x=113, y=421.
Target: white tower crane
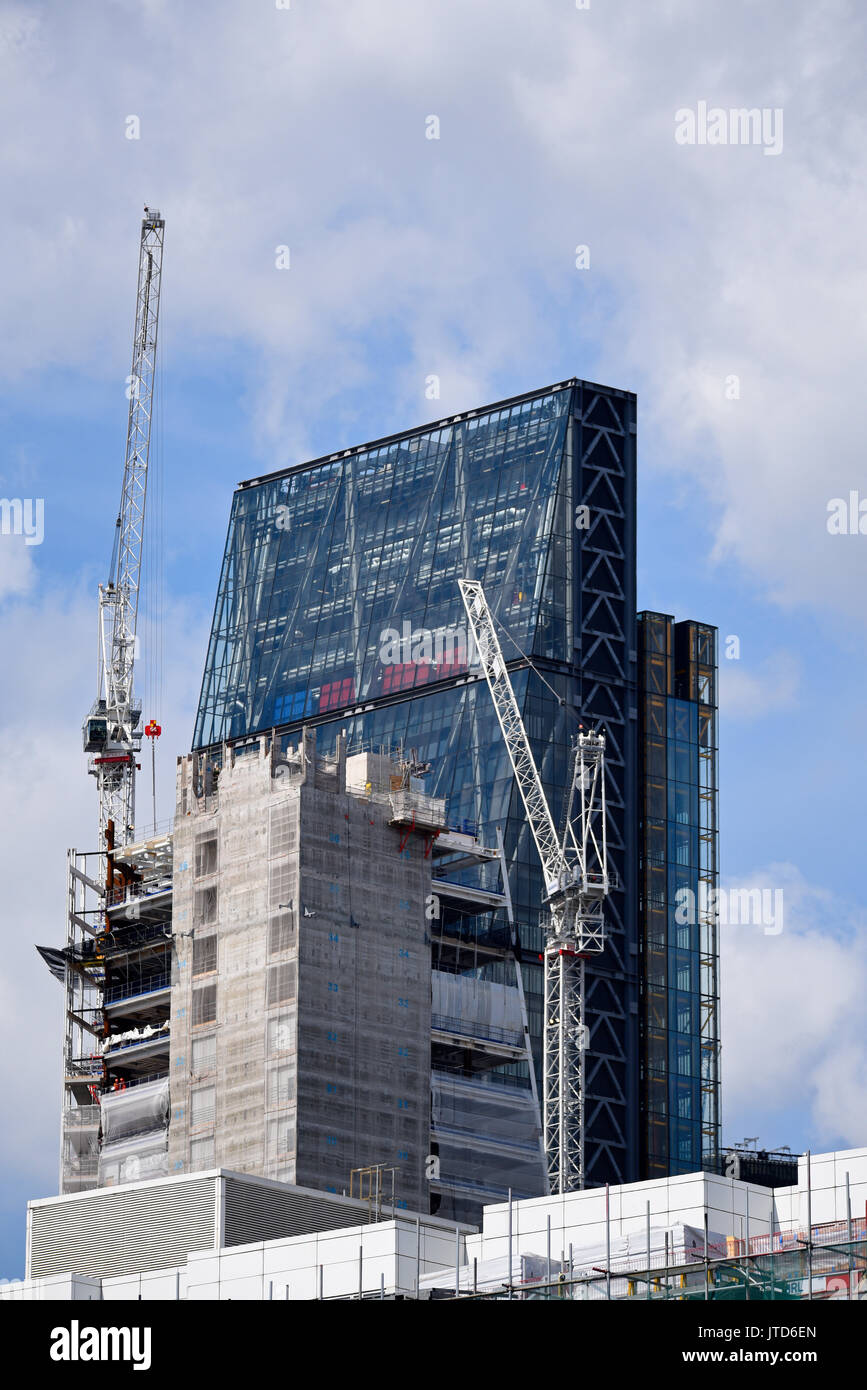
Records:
x=111, y=733
x=575, y=869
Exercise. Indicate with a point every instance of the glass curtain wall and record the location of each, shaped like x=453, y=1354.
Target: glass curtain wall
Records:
x=338, y=606
x=678, y=882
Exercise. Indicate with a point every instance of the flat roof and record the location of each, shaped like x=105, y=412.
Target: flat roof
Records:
x=359, y=1204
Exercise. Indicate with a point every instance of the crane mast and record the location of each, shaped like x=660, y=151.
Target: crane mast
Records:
x=575, y=870
x=111, y=730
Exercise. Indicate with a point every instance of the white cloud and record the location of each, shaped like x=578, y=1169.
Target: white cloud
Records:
x=306, y=127
x=753, y=694
x=16, y=566
x=792, y=1018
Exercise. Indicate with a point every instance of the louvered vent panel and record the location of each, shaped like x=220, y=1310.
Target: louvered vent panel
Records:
x=115, y=1232
x=262, y=1213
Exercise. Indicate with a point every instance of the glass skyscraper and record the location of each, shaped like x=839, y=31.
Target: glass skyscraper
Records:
x=338, y=606
x=678, y=883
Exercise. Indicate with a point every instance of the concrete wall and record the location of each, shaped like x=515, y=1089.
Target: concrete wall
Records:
x=217, y=1067
x=318, y=1060
x=363, y=997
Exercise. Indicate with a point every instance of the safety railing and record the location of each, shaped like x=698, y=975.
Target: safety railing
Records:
x=132, y=989
x=471, y=1028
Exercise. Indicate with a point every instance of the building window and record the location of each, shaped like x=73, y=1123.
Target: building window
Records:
x=205, y=906
x=280, y=1034
x=205, y=1004
x=279, y=1137
x=281, y=933
x=206, y=856
x=203, y=1106
x=204, y=954
x=202, y=1153
x=280, y=985
x=336, y=693
x=204, y=1055
x=281, y=1085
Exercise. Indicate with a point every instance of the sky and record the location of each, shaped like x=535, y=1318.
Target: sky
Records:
x=433, y=168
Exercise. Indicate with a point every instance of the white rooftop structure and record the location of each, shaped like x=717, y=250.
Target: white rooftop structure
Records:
x=224, y=1235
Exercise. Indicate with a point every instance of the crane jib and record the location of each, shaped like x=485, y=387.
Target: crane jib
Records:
x=111, y=732
x=575, y=870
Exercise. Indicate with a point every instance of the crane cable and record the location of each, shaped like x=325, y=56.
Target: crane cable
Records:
x=524, y=657
x=153, y=646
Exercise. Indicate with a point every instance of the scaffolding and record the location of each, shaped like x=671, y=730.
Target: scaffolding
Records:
x=80, y=968
x=829, y=1262
x=116, y=974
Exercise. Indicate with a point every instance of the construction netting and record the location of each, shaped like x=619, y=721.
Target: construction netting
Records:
x=135, y=1159
x=486, y=1135
x=135, y=1133
x=81, y=1142
x=481, y=1008
x=135, y=1110
x=300, y=1039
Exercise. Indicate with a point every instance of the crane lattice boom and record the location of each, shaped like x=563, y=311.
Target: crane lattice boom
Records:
x=111, y=732
x=576, y=882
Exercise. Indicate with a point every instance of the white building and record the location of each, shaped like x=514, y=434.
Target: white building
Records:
x=224, y=1235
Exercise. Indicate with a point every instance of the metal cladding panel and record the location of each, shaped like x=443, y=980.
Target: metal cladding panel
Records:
x=255, y=1212
x=122, y=1231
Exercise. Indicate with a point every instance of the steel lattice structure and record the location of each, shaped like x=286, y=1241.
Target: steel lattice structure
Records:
x=577, y=930
x=111, y=731
x=576, y=880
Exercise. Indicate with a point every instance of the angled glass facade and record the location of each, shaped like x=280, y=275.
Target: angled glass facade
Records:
x=323, y=562
x=338, y=606
x=679, y=878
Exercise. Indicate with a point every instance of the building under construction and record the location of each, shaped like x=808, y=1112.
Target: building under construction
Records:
x=277, y=991
x=224, y=976
x=220, y=1235
x=339, y=607
x=338, y=963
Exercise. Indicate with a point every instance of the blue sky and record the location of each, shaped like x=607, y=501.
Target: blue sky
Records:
x=306, y=127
